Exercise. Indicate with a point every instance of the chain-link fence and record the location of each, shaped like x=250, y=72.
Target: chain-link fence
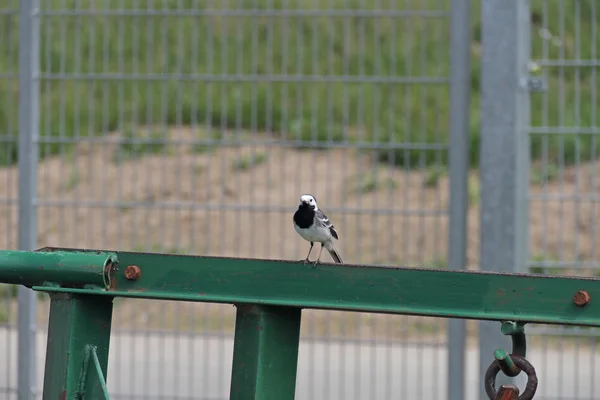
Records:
x=193, y=127
x=564, y=178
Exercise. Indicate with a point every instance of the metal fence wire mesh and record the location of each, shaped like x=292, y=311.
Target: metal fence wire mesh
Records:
x=564, y=180
x=190, y=126
x=9, y=53
x=194, y=126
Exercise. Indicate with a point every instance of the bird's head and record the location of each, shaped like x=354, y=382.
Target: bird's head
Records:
x=308, y=201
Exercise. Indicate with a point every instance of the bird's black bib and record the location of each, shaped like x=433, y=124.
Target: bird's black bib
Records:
x=304, y=217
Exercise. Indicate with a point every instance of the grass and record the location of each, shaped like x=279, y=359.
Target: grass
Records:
x=10, y=291
x=73, y=180
x=209, y=143
x=133, y=144
x=433, y=175
x=541, y=175
x=371, y=182
x=315, y=111
x=540, y=258
x=8, y=154
x=473, y=190
x=246, y=162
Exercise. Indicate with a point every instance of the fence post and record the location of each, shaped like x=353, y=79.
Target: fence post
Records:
x=28, y=161
x=78, y=332
x=265, y=352
x=504, y=160
x=460, y=90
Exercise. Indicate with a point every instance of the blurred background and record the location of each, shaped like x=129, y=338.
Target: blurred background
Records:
x=193, y=126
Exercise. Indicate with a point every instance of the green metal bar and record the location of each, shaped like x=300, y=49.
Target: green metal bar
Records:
x=265, y=354
x=64, y=268
x=455, y=294
x=507, y=365
x=93, y=383
x=99, y=380
x=76, y=323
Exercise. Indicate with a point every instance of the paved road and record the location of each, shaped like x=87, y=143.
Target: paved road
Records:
x=167, y=367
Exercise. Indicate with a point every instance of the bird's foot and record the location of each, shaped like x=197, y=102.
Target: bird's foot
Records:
x=305, y=261
x=317, y=261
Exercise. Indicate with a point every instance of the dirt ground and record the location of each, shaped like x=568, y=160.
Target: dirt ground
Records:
x=217, y=201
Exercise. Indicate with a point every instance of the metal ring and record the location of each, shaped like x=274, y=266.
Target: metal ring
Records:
x=532, y=380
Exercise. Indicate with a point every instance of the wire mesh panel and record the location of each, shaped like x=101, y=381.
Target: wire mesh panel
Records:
x=9, y=55
x=564, y=180
x=194, y=127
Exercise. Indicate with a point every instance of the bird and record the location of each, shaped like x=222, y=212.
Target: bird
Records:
x=314, y=226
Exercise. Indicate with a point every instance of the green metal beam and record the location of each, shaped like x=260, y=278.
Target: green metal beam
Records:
x=265, y=353
x=62, y=268
x=77, y=324
x=442, y=293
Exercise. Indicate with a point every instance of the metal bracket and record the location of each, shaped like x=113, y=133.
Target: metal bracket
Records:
x=534, y=84
x=92, y=384
x=516, y=330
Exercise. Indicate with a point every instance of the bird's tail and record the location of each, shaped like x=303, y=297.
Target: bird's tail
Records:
x=334, y=254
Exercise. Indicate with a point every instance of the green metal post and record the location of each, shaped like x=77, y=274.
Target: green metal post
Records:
x=77, y=349
x=265, y=354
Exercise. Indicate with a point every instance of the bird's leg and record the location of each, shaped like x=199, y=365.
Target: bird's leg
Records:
x=319, y=258
x=309, y=251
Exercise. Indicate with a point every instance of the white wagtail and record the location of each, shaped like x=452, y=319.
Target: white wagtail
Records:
x=314, y=226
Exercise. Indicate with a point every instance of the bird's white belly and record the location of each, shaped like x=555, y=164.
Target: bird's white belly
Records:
x=314, y=233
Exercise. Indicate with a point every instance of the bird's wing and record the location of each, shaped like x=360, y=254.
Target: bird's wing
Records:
x=325, y=222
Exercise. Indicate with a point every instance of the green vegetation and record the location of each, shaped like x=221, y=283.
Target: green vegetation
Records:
x=541, y=258
x=246, y=162
x=433, y=174
x=73, y=180
x=541, y=174
x=132, y=144
x=8, y=150
x=214, y=136
x=10, y=291
x=380, y=47
x=371, y=182
x=473, y=190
